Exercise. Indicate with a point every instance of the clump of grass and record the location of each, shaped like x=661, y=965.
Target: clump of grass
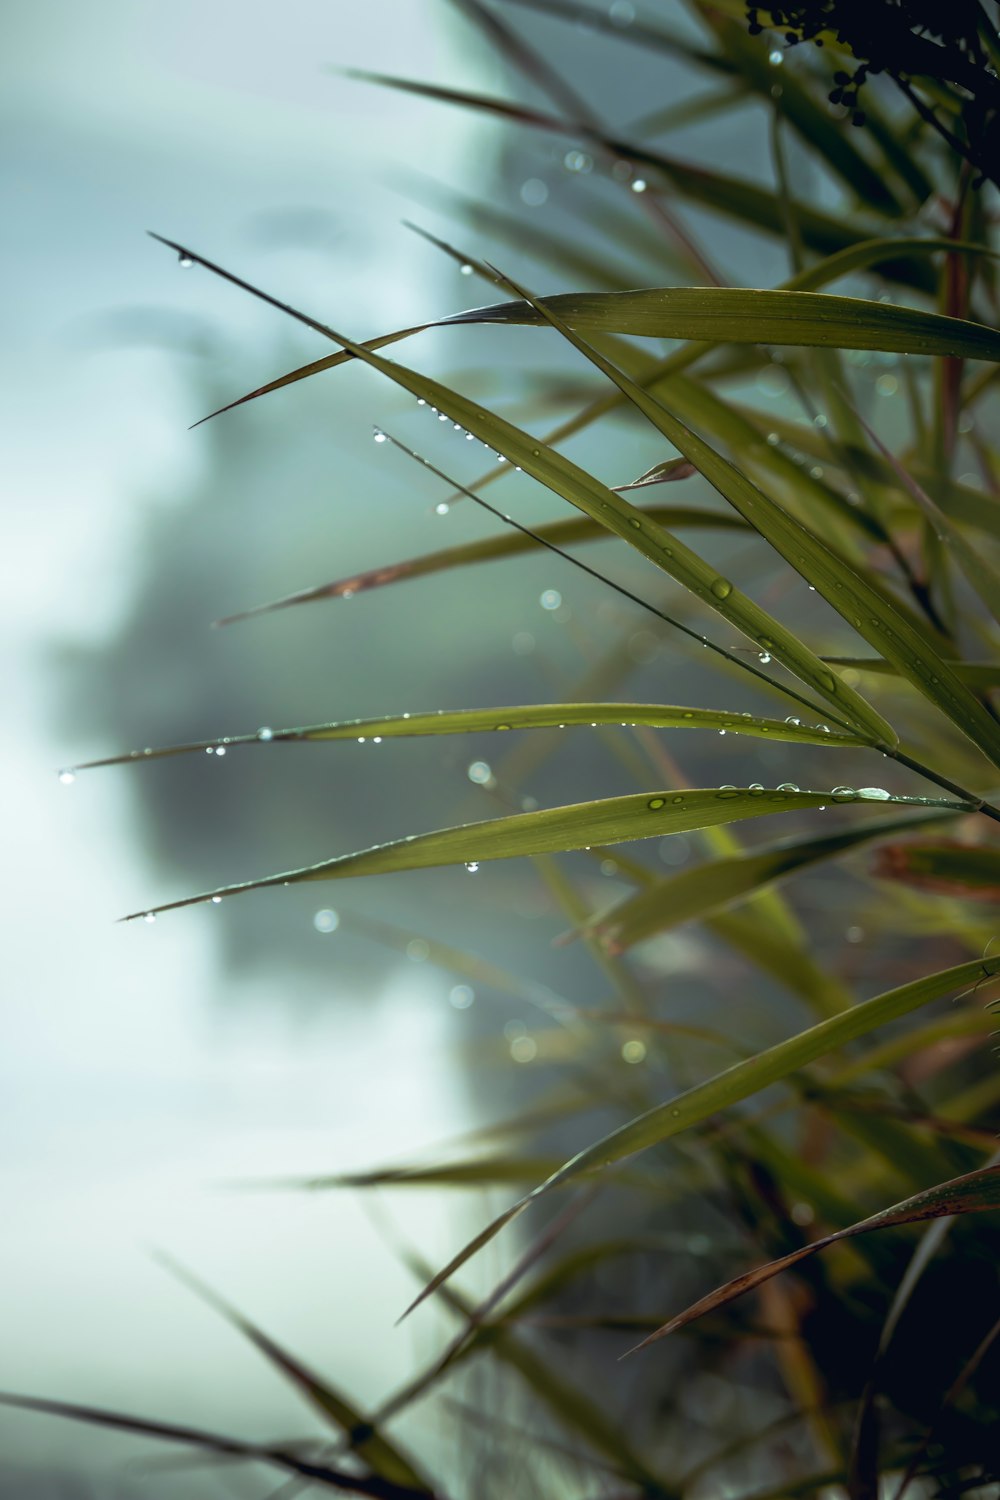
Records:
x=809, y=1148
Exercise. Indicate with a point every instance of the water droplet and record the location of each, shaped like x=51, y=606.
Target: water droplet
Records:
x=376, y=739
x=442, y=416
x=441, y=509
x=421, y=401
x=843, y=794
x=634, y=1050
x=577, y=161
x=462, y=996
x=480, y=773
x=639, y=185
x=655, y=803
x=265, y=733
x=722, y=731
x=764, y=658
x=67, y=778
x=470, y=437
x=776, y=58
x=534, y=192
x=622, y=12
x=773, y=439
x=721, y=588
x=550, y=599
x=792, y=720
x=472, y=866
x=874, y=794
x=378, y=437
x=185, y=261
x=466, y=270
x=326, y=920
x=220, y=750
x=150, y=916
x=209, y=749
x=819, y=421
x=726, y=792
x=755, y=789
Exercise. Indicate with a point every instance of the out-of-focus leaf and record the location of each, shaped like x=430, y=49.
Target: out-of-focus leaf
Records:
x=383, y=1457
x=477, y=1172
x=975, y=1192
x=210, y=1442
x=493, y=548
x=975, y=674
x=867, y=253
x=731, y=197
x=696, y=892
x=606, y=821
x=517, y=716
x=737, y=1083
x=971, y=871
x=787, y=960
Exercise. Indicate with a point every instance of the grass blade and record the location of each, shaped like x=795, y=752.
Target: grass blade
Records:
x=975, y=1192
x=609, y=820
x=380, y=1455
x=526, y=716
x=722, y=882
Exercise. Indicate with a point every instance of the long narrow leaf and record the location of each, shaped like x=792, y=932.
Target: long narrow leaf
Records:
x=610, y=820
x=719, y=883
x=521, y=716
x=976, y=1192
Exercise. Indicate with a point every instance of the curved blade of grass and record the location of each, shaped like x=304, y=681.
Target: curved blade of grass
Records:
x=975, y=674
x=970, y=871
x=377, y=1452
x=528, y=716
x=483, y=1171
x=867, y=253
x=722, y=882
x=729, y=1088
x=855, y=257
x=844, y=588
x=609, y=820
x=975, y=1192
x=750, y=315
x=577, y=529
x=195, y=1437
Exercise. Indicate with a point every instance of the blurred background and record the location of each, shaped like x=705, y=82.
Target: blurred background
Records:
x=149, y=1070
